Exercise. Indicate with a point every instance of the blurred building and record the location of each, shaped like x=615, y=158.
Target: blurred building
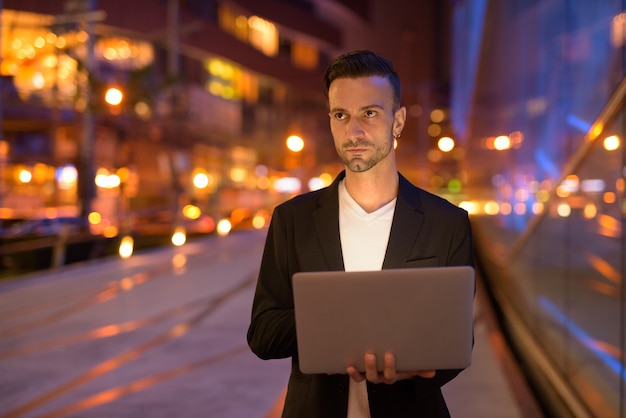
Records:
x=207, y=90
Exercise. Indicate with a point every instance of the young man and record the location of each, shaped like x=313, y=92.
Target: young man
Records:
x=370, y=218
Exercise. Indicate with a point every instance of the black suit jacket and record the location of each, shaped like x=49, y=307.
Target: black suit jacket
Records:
x=304, y=236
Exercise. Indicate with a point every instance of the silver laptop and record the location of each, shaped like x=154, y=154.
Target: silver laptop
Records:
x=423, y=315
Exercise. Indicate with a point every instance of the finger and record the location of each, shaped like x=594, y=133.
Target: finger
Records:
x=428, y=374
x=389, y=372
x=371, y=372
x=354, y=374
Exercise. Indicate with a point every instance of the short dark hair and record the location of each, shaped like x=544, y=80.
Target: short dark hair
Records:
x=363, y=63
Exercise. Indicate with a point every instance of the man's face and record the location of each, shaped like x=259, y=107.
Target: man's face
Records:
x=362, y=120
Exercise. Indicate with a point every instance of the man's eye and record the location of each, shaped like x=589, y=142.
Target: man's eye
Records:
x=340, y=116
x=370, y=113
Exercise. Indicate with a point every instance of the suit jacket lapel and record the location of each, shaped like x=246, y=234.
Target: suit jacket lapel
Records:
x=407, y=220
x=326, y=218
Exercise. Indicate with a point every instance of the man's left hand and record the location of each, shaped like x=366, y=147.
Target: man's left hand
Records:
x=389, y=375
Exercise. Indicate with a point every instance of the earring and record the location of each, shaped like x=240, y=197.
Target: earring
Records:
x=396, y=136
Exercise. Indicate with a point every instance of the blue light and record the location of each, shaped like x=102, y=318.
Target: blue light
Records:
x=578, y=123
x=582, y=336
x=66, y=176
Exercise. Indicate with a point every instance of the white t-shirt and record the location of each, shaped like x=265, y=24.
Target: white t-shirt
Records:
x=364, y=237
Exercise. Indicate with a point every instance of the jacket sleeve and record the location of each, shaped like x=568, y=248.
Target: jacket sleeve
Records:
x=272, y=330
x=460, y=253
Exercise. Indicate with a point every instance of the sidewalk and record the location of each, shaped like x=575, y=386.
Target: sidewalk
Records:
x=151, y=336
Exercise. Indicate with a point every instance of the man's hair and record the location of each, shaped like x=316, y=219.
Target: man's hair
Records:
x=363, y=63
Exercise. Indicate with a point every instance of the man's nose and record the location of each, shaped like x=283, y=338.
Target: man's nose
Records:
x=354, y=129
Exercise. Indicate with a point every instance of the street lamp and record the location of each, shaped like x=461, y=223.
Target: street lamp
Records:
x=113, y=96
x=502, y=143
x=295, y=143
x=445, y=144
x=611, y=143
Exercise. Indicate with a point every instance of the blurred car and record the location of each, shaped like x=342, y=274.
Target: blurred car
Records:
x=203, y=225
x=163, y=223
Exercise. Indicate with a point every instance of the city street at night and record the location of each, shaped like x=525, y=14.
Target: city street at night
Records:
x=145, y=146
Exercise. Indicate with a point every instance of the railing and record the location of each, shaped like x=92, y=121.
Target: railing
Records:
x=58, y=246
x=612, y=107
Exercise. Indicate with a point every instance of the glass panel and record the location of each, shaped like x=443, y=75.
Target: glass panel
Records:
x=546, y=79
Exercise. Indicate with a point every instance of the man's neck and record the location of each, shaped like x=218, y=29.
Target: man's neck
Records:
x=374, y=188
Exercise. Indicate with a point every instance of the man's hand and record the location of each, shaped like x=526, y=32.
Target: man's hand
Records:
x=389, y=375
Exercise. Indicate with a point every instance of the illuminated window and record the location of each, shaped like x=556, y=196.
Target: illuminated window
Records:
x=233, y=23
x=304, y=56
x=248, y=85
x=230, y=82
x=43, y=62
x=263, y=35
x=258, y=32
x=124, y=53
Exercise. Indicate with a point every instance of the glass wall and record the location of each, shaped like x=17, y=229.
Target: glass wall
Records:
x=538, y=101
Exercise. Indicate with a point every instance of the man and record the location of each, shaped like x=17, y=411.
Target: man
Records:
x=370, y=218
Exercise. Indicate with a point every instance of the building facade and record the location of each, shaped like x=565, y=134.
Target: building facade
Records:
x=207, y=90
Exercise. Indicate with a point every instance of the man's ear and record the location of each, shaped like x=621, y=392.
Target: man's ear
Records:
x=399, y=118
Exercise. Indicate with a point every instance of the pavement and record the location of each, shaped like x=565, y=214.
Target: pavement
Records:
x=162, y=334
